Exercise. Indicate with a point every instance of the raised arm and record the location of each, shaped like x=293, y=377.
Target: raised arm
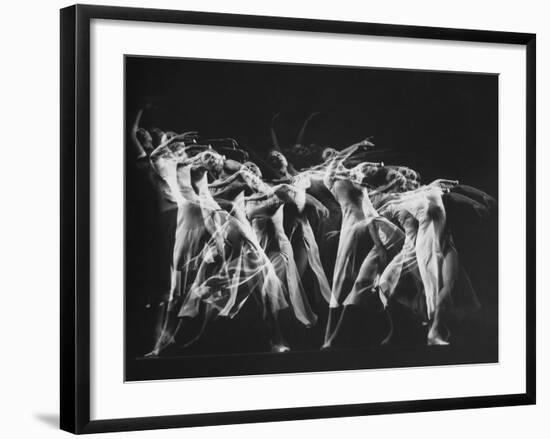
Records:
x=346, y=153
x=302, y=132
x=274, y=138
x=140, y=151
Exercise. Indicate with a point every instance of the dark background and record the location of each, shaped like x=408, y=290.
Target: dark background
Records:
x=445, y=122
x=441, y=124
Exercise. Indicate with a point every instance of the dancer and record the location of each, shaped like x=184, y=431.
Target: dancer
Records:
x=180, y=172
x=387, y=241
x=355, y=240
x=436, y=254
x=265, y=211
x=347, y=229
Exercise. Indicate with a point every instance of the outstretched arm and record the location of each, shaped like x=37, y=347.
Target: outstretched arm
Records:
x=163, y=147
x=231, y=166
x=254, y=182
x=230, y=191
x=222, y=183
x=346, y=153
x=384, y=188
x=284, y=193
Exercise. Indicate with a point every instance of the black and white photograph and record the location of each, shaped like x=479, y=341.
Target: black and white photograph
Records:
x=297, y=218
x=275, y=220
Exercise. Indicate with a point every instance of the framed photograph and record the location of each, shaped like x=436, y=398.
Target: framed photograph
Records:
x=268, y=218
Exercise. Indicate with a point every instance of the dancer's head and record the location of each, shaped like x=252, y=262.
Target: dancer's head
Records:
x=180, y=151
x=212, y=161
x=157, y=135
x=278, y=161
x=253, y=168
x=364, y=173
x=412, y=178
x=145, y=140
x=395, y=176
x=328, y=153
x=170, y=134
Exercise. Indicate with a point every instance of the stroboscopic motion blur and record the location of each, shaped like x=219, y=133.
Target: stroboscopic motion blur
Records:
x=310, y=249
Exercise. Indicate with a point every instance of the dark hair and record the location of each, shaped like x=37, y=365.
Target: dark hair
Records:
x=234, y=154
x=156, y=134
x=144, y=138
x=378, y=177
x=274, y=159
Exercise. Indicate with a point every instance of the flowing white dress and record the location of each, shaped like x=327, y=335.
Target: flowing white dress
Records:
x=391, y=238
x=267, y=221
x=354, y=243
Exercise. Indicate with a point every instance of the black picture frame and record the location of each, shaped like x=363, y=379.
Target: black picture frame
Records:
x=75, y=217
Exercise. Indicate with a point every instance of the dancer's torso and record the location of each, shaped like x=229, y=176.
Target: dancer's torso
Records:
x=350, y=199
x=269, y=227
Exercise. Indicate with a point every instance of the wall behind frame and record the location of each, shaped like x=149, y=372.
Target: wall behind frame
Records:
x=29, y=224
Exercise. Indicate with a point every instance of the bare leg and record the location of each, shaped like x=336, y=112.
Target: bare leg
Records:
x=438, y=333
x=387, y=340
x=278, y=342
x=392, y=273
x=364, y=285
x=332, y=322
x=169, y=328
x=428, y=264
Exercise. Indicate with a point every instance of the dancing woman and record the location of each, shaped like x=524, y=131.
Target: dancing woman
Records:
x=191, y=235
x=141, y=138
x=159, y=167
x=436, y=255
x=304, y=244
x=404, y=263
x=355, y=240
x=232, y=267
x=298, y=228
x=265, y=211
x=387, y=240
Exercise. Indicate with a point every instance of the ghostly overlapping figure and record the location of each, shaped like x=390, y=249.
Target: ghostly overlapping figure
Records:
x=240, y=235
